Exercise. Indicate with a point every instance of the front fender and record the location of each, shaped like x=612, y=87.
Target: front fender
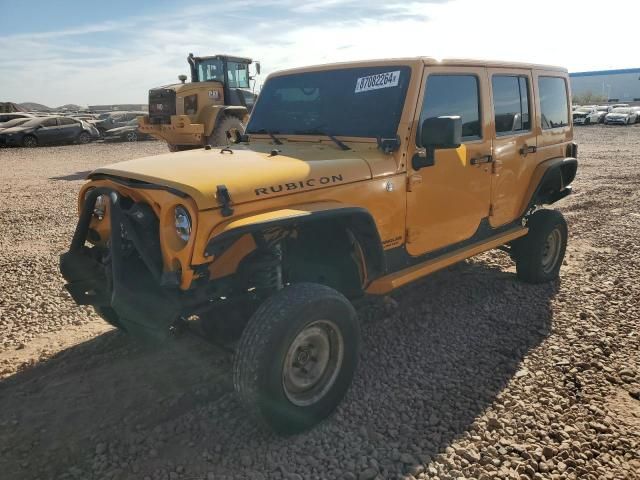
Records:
x=356, y=219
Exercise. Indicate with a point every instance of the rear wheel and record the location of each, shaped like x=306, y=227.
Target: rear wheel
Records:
x=219, y=134
x=29, y=141
x=540, y=253
x=297, y=356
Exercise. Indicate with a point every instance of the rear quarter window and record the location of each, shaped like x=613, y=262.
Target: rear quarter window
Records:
x=554, y=104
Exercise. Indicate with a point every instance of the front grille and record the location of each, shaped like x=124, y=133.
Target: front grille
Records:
x=162, y=104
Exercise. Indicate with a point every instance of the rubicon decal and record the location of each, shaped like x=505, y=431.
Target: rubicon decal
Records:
x=299, y=185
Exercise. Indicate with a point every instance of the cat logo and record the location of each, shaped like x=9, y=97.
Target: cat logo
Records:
x=214, y=94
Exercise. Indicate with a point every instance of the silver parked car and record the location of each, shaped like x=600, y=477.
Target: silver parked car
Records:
x=621, y=116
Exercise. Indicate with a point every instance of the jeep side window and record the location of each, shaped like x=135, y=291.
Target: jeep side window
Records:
x=554, y=106
x=454, y=95
x=511, y=104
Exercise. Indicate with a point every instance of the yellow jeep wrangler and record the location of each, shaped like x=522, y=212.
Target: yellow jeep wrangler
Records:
x=352, y=179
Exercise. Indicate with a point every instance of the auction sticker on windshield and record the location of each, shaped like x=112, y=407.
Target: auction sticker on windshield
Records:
x=380, y=80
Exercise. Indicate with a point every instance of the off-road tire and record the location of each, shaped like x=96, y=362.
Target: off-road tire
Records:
x=84, y=138
x=29, y=141
x=540, y=253
x=219, y=134
x=259, y=368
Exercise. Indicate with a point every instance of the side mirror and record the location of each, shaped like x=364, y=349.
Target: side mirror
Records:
x=258, y=68
x=437, y=133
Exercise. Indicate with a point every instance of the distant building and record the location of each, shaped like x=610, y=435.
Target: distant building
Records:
x=614, y=85
x=132, y=107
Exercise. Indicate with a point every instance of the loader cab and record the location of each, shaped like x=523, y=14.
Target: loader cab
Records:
x=231, y=72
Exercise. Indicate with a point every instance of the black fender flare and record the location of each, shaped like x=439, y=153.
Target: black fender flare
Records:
x=553, y=181
x=357, y=220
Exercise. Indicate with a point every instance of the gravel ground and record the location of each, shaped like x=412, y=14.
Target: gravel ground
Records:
x=465, y=374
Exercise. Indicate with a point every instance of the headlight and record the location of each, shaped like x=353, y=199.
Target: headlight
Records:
x=100, y=207
x=183, y=223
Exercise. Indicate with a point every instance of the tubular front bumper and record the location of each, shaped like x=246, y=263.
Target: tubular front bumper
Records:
x=179, y=132
x=130, y=283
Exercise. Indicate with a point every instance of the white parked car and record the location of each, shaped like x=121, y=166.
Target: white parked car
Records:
x=602, y=112
x=621, y=116
x=585, y=116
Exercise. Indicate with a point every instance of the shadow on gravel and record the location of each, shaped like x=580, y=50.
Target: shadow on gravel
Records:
x=73, y=176
x=434, y=359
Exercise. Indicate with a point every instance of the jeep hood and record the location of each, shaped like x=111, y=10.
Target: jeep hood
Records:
x=248, y=173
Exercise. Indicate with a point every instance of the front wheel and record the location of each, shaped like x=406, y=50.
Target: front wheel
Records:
x=297, y=356
x=29, y=141
x=540, y=253
x=131, y=136
x=84, y=138
x=587, y=121
x=219, y=135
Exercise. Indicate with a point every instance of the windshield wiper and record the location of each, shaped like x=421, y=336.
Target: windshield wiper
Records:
x=340, y=144
x=275, y=139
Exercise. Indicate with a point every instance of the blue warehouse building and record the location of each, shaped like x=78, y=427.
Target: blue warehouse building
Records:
x=615, y=85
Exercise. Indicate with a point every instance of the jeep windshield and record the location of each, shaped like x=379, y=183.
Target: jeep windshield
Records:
x=350, y=102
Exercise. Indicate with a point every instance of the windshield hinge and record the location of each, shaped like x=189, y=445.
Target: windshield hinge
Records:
x=388, y=145
x=224, y=200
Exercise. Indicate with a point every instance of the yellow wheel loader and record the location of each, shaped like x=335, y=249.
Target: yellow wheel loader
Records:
x=190, y=115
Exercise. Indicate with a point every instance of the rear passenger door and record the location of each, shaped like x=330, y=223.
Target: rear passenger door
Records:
x=554, y=128
x=448, y=200
x=49, y=131
x=69, y=129
x=514, y=141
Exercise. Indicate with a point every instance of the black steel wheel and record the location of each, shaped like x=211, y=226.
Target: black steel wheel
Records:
x=297, y=356
x=540, y=253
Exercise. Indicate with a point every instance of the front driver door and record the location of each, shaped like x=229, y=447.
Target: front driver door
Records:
x=447, y=201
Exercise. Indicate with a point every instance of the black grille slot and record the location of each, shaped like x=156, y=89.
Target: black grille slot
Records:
x=162, y=104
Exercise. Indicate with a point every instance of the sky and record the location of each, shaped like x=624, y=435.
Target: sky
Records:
x=114, y=51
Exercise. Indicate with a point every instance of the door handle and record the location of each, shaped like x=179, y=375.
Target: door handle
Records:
x=528, y=149
x=480, y=160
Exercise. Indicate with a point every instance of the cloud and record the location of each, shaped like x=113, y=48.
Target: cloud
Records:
x=118, y=61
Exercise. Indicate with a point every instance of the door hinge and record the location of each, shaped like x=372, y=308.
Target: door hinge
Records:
x=412, y=181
